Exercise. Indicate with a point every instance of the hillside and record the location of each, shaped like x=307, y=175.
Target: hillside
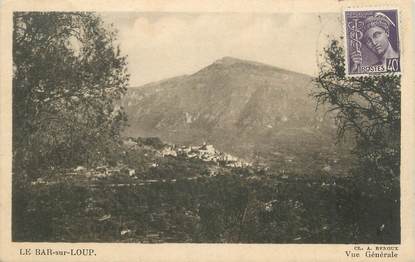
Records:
x=162, y=193
x=252, y=110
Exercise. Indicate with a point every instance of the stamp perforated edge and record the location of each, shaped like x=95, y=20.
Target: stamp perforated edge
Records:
x=346, y=51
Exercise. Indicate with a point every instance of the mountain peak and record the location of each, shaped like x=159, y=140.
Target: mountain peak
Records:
x=237, y=105
x=229, y=60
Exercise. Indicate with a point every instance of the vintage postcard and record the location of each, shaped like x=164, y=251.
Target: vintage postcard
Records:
x=195, y=131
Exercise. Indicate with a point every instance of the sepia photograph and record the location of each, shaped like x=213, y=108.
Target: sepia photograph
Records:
x=207, y=127
x=114, y=141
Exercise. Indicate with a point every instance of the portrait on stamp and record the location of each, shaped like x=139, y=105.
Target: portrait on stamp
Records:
x=372, y=40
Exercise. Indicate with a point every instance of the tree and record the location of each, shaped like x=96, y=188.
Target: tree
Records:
x=366, y=108
x=68, y=73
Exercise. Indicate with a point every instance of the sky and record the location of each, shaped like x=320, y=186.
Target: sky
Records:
x=162, y=45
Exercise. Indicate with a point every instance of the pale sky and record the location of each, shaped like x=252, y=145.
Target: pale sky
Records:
x=162, y=45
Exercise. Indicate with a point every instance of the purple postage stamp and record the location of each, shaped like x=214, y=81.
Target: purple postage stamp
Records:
x=372, y=42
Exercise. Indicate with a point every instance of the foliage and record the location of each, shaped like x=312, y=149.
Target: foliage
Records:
x=223, y=209
x=178, y=200
x=67, y=73
x=367, y=108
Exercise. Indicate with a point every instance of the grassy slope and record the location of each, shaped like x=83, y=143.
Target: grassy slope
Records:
x=177, y=201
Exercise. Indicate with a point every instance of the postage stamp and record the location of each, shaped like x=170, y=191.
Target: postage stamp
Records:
x=372, y=42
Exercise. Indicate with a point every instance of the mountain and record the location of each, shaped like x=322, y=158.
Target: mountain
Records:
x=249, y=109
